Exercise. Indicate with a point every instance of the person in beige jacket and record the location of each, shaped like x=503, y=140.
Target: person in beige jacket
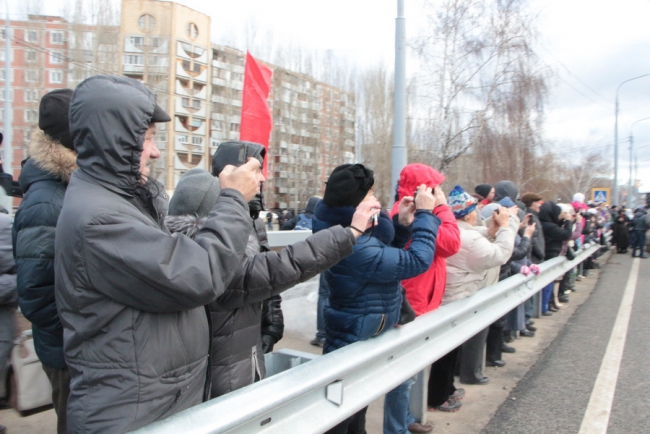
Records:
x=483, y=249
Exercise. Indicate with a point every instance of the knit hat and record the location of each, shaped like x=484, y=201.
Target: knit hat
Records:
x=348, y=185
x=53, y=116
x=507, y=202
x=578, y=197
x=529, y=198
x=196, y=193
x=460, y=202
x=483, y=190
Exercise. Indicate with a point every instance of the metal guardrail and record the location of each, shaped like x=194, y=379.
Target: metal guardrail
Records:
x=317, y=395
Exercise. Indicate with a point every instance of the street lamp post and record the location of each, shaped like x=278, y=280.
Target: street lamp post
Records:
x=615, y=198
x=399, y=116
x=628, y=198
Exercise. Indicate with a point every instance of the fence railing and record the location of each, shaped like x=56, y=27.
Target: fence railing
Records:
x=317, y=395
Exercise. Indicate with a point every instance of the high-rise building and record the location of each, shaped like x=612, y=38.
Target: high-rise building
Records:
x=168, y=47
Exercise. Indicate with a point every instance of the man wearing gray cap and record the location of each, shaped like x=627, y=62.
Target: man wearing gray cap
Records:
x=130, y=295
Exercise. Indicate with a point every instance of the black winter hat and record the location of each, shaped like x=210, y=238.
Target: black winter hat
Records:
x=348, y=185
x=196, y=193
x=483, y=190
x=236, y=153
x=53, y=116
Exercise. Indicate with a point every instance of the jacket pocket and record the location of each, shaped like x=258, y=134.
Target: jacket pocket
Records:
x=382, y=324
x=183, y=373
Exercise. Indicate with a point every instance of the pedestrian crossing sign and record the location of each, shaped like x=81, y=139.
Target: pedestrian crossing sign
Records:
x=600, y=195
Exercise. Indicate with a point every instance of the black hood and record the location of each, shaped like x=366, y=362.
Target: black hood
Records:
x=550, y=212
x=505, y=189
x=109, y=116
x=311, y=205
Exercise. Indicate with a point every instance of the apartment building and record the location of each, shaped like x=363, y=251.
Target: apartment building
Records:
x=168, y=47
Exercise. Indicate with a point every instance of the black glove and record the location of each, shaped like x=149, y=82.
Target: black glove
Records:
x=267, y=343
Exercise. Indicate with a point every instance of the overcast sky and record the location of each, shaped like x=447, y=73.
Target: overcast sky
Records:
x=593, y=45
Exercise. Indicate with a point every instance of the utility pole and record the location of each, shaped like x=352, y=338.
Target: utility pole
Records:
x=615, y=198
x=399, y=120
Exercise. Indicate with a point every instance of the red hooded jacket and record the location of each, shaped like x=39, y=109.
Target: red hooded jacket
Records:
x=425, y=291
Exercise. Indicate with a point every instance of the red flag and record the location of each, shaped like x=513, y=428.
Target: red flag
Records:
x=256, y=119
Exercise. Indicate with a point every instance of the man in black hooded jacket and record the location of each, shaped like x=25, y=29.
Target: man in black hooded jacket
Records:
x=131, y=295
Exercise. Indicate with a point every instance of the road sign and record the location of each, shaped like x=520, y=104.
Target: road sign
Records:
x=600, y=195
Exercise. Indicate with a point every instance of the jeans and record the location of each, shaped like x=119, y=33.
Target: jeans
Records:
x=547, y=293
x=638, y=242
x=529, y=306
x=323, y=301
x=397, y=416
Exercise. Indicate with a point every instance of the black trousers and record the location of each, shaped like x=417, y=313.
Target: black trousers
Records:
x=355, y=424
x=441, y=380
x=471, y=358
x=495, y=340
x=60, y=380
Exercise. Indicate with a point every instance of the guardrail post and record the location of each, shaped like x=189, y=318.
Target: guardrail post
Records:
x=418, y=398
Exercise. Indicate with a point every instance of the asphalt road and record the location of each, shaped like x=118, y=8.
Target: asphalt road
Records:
x=553, y=396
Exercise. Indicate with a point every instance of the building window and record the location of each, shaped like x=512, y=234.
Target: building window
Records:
x=56, y=77
x=56, y=38
x=2, y=55
x=30, y=56
x=3, y=75
x=56, y=58
x=196, y=104
x=31, y=95
x=217, y=125
x=31, y=115
x=138, y=41
x=133, y=59
x=186, y=102
x=32, y=36
x=192, y=31
x=31, y=76
x=181, y=138
x=234, y=127
x=155, y=42
x=197, y=140
x=196, y=68
x=146, y=22
x=4, y=95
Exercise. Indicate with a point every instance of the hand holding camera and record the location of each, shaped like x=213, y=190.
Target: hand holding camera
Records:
x=424, y=199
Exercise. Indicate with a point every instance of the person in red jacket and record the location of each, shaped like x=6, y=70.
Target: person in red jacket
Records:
x=425, y=291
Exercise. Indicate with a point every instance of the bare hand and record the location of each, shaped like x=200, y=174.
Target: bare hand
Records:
x=501, y=216
x=513, y=210
x=439, y=195
x=530, y=230
x=525, y=221
x=406, y=210
x=362, y=218
x=243, y=178
x=424, y=199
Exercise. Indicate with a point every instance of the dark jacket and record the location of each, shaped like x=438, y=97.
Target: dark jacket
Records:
x=365, y=291
x=538, y=245
x=130, y=295
x=43, y=179
x=521, y=251
x=237, y=355
x=8, y=294
x=640, y=221
x=555, y=231
x=289, y=225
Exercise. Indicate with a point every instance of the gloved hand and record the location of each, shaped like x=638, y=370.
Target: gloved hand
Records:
x=267, y=343
x=535, y=269
x=525, y=270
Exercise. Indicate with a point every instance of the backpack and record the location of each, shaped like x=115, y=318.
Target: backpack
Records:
x=303, y=224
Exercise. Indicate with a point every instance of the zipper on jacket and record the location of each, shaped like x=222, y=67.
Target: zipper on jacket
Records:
x=256, y=375
x=382, y=324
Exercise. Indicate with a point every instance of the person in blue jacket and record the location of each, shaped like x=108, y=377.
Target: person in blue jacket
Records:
x=365, y=294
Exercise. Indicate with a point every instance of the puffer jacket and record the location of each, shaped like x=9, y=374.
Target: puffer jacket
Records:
x=425, y=291
x=556, y=232
x=131, y=295
x=237, y=356
x=479, y=259
x=8, y=294
x=43, y=179
x=365, y=291
x=640, y=221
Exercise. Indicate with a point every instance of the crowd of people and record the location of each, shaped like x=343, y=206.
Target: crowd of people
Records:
x=142, y=306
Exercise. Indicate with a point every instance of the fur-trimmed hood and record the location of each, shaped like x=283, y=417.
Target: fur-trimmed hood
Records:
x=52, y=156
x=186, y=224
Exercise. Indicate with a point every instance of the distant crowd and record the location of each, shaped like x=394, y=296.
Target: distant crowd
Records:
x=143, y=305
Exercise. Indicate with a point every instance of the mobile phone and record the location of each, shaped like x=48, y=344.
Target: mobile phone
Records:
x=375, y=218
x=415, y=194
x=530, y=219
